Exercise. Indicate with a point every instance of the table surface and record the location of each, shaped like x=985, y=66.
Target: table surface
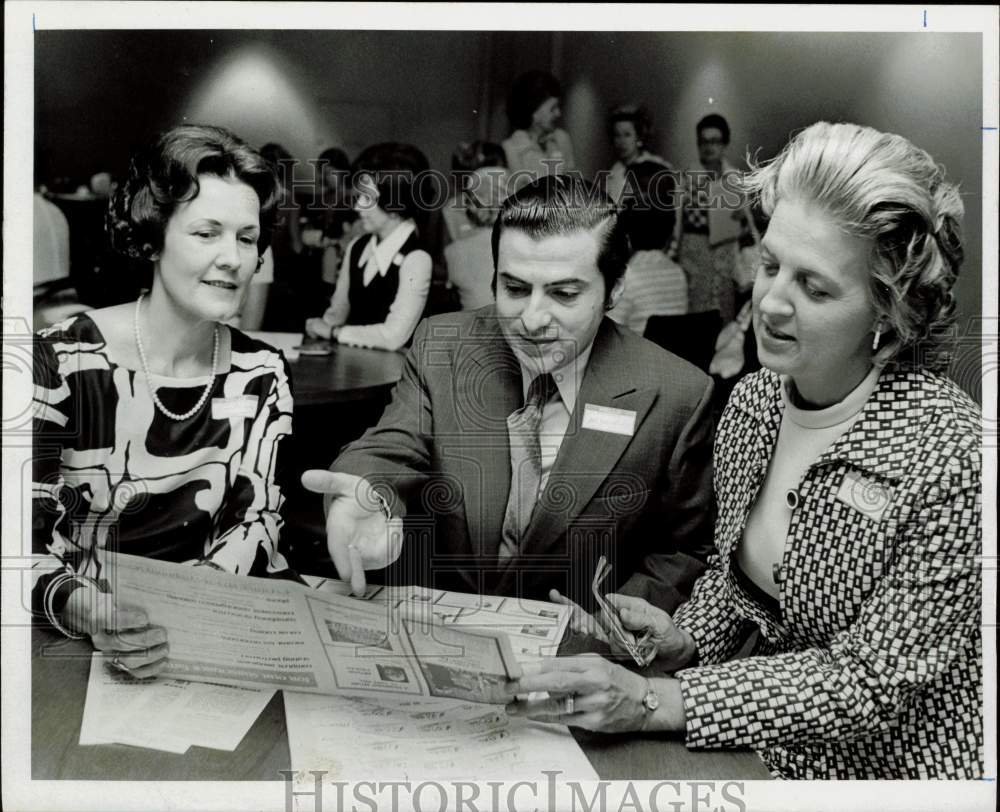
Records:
x=60, y=668
x=348, y=374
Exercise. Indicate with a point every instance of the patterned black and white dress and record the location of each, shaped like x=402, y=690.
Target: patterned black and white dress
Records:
x=113, y=473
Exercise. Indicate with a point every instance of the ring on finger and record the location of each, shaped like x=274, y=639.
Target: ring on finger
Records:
x=569, y=705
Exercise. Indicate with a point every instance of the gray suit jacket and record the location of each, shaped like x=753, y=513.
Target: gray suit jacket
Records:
x=440, y=454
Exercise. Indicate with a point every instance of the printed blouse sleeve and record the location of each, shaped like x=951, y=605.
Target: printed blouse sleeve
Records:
x=711, y=618
x=249, y=523
x=920, y=617
x=52, y=413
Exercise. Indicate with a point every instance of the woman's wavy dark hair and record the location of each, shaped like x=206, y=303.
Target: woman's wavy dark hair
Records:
x=165, y=174
x=879, y=186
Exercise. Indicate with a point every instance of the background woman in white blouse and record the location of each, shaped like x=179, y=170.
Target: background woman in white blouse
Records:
x=385, y=277
x=537, y=146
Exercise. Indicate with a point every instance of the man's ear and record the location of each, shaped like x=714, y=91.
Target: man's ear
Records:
x=616, y=292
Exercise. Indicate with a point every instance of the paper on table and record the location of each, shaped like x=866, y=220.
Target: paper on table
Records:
x=166, y=714
x=114, y=701
x=403, y=739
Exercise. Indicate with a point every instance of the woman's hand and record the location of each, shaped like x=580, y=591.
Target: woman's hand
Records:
x=585, y=691
x=317, y=328
x=580, y=621
x=122, y=632
x=675, y=648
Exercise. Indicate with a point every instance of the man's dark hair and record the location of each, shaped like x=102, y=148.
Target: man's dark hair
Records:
x=555, y=205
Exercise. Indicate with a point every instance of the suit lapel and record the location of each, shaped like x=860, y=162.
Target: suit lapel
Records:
x=587, y=456
x=488, y=389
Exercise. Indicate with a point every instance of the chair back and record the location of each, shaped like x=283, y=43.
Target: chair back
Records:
x=690, y=336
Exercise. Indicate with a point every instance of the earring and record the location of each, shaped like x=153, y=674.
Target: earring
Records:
x=878, y=335
x=260, y=263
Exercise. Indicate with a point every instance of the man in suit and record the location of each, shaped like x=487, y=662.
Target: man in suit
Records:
x=530, y=437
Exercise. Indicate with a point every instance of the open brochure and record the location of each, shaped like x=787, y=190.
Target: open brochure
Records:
x=258, y=632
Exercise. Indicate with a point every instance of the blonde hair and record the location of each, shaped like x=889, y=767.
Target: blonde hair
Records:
x=881, y=187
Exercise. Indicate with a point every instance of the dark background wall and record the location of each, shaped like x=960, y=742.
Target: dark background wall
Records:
x=98, y=93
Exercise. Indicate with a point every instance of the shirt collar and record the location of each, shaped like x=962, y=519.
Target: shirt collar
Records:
x=568, y=378
x=835, y=414
x=378, y=256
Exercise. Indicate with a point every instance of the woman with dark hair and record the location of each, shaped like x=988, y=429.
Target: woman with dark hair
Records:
x=290, y=289
x=385, y=277
x=330, y=215
x=630, y=130
x=481, y=173
x=286, y=240
x=331, y=222
x=848, y=477
x=654, y=283
x=157, y=428
x=536, y=145
x=710, y=227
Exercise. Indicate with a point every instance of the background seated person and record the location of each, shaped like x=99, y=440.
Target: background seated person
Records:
x=292, y=290
x=54, y=297
x=848, y=483
x=385, y=278
x=330, y=221
x=157, y=428
x=537, y=145
x=630, y=129
x=654, y=284
x=529, y=438
x=483, y=177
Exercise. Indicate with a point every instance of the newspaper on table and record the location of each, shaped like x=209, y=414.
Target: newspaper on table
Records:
x=255, y=632
x=404, y=739
x=167, y=714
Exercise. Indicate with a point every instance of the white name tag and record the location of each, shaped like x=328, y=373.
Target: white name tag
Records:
x=864, y=495
x=236, y=407
x=604, y=418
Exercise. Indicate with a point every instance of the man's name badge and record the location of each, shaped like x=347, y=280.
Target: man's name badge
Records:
x=235, y=407
x=864, y=495
x=604, y=418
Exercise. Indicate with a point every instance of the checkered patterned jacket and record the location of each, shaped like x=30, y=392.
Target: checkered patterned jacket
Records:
x=874, y=668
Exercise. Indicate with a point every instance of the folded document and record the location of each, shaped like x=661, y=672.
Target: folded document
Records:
x=166, y=714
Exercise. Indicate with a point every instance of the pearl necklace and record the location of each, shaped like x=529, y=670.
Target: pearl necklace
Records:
x=149, y=382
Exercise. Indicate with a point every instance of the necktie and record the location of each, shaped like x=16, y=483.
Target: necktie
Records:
x=525, y=463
